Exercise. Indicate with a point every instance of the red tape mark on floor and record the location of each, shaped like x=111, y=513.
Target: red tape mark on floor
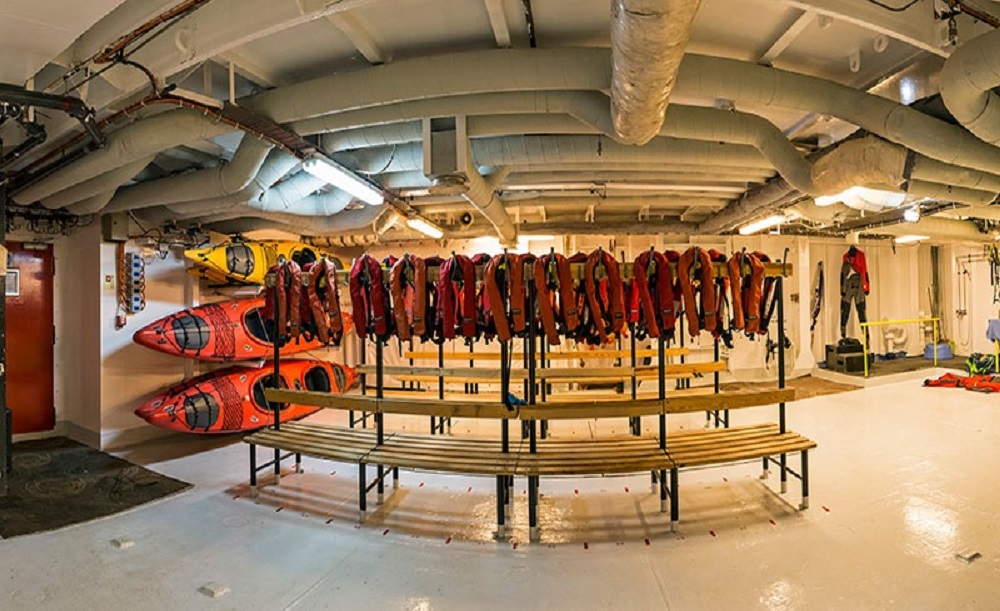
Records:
x=626, y=488
x=586, y=545
x=470, y=489
x=278, y=509
x=575, y=491
x=329, y=521
x=725, y=480
x=647, y=541
x=711, y=532
x=333, y=472
x=421, y=485
x=514, y=545
x=236, y=497
x=447, y=541
x=826, y=509
x=385, y=532
x=773, y=523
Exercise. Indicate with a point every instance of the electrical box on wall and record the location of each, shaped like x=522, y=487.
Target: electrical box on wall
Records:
x=114, y=227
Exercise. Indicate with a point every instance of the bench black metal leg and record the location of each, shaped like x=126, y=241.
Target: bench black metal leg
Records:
x=362, y=490
x=395, y=478
x=381, y=484
x=805, y=480
x=663, y=491
x=674, y=502
x=277, y=467
x=253, y=471
x=298, y=463
x=501, y=502
x=533, y=534
x=763, y=473
x=784, y=473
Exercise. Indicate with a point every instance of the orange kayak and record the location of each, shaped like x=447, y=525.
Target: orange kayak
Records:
x=232, y=400
x=219, y=332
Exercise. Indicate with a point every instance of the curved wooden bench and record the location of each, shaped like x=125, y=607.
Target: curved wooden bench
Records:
x=546, y=458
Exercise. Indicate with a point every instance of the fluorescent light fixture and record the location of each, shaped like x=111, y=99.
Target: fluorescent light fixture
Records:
x=910, y=239
x=860, y=197
x=425, y=227
x=762, y=224
x=344, y=179
x=911, y=215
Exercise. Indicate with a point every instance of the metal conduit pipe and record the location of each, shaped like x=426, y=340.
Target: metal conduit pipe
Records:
x=986, y=213
x=97, y=186
x=771, y=196
x=221, y=181
x=577, y=203
x=967, y=82
x=140, y=139
x=279, y=198
x=648, y=39
x=931, y=170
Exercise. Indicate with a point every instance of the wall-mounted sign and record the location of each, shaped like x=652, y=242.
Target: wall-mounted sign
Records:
x=12, y=286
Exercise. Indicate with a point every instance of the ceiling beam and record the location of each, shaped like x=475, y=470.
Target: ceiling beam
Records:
x=251, y=70
x=498, y=21
x=916, y=27
x=360, y=37
x=787, y=37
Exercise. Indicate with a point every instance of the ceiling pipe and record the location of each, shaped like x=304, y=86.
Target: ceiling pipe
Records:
x=967, y=81
x=648, y=39
x=276, y=166
x=140, y=139
x=936, y=229
x=578, y=203
x=481, y=194
x=986, y=213
x=221, y=181
x=282, y=197
x=91, y=205
x=526, y=153
x=700, y=77
x=97, y=186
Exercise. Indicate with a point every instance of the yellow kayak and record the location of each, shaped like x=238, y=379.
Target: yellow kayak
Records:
x=248, y=261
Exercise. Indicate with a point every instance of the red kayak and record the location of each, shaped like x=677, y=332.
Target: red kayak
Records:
x=219, y=332
x=232, y=399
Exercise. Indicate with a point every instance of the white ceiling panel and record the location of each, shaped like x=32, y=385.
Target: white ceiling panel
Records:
x=32, y=32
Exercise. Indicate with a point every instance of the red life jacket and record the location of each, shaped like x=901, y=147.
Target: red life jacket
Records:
x=500, y=290
x=705, y=318
x=556, y=296
x=323, y=301
x=766, y=295
x=369, y=299
x=605, y=299
x=284, y=306
x=749, y=289
x=456, y=297
x=408, y=288
x=653, y=295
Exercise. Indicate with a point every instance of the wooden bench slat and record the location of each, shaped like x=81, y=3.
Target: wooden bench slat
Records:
x=554, y=356
x=732, y=399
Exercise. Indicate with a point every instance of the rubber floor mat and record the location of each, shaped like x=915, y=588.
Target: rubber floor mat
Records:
x=58, y=482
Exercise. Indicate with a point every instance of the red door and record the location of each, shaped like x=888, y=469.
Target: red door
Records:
x=30, y=336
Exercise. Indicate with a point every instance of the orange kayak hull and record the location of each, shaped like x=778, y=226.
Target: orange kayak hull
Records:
x=219, y=332
x=232, y=400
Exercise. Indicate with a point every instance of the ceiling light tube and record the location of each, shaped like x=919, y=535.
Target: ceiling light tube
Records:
x=911, y=215
x=762, y=224
x=910, y=239
x=425, y=227
x=344, y=179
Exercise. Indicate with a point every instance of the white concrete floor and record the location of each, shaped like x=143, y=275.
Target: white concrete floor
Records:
x=904, y=479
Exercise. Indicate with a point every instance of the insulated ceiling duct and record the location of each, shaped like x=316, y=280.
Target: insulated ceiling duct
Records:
x=867, y=162
x=221, y=181
x=133, y=142
x=648, y=39
x=967, y=82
